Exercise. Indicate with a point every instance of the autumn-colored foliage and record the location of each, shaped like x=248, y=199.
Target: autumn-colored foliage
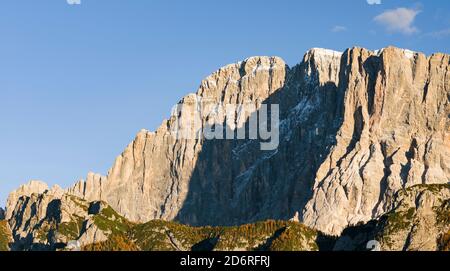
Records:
x=114, y=243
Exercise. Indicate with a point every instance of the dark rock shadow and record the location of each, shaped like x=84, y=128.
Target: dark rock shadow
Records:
x=266, y=246
x=234, y=182
x=206, y=245
x=356, y=238
x=52, y=216
x=325, y=242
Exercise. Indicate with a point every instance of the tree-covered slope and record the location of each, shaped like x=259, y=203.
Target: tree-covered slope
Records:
x=161, y=235
x=5, y=236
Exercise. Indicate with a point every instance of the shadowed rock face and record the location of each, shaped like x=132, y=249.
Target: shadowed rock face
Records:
x=45, y=221
x=354, y=129
x=28, y=189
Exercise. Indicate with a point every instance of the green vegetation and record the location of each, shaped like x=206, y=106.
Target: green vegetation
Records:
x=399, y=220
x=296, y=237
x=72, y=229
x=42, y=232
x=117, y=242
x=79, y=202
x=109, y=220
x=394, y=223
x=119, y=228
x=270, y=235
x=160, y=235
x=435, y=188
x=155, y=235
x=4, y=236
x=443, y=213
x=443, y=220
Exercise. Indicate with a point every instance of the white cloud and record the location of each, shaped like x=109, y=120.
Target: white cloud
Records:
x=439, y=34
x=338, y=28
x=398, y=20
x=374, y=2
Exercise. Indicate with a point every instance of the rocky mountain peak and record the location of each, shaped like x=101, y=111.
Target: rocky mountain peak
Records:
x=355, y=128
x=323, y=65
x=395, y=112
x=32, y=187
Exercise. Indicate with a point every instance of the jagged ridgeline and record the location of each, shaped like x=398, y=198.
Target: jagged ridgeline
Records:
x=357, y=129
x=419, y=221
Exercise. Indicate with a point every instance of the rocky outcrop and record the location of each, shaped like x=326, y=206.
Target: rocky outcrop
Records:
x=355, y=128
x=2, y=214
x=90, y=189
x=419, y=221
x=92, y=234
x=48, y=220
x=54, y=219
x=33, y=187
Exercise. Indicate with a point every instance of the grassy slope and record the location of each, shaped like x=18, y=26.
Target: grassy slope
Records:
x=160, y=235
x=4, y=236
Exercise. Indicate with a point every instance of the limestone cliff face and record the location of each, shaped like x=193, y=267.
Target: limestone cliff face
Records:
x=218, y=182
x=355, y=127
x=394, y=134
x=152, y=177
x=56, y=220
x=33, y=187
x=42, y=221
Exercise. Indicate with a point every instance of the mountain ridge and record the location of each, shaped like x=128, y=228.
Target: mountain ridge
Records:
x=418, y=221
x=348, y=143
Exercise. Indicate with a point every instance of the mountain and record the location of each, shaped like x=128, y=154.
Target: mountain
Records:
x=419, y=220
x=355, y=129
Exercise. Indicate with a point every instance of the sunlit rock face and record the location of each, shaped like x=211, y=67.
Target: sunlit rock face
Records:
x=159, y=175
x=32, y=187
x=354, y=128
x=394, y=134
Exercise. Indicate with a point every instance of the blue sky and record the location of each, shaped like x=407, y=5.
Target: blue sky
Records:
x=78, y=81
